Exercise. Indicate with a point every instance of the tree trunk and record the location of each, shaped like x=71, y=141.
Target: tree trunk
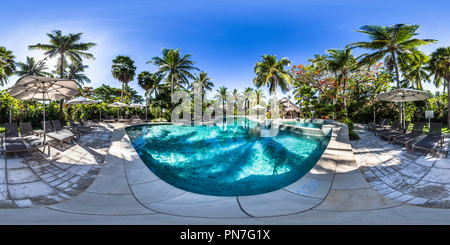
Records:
x=275, y=95
x=121, y=94
x=61, y=102
x=400, y=112
x=448, y=97
x=343, y=95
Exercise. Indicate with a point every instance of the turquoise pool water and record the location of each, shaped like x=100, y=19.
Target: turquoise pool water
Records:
x=225, y=160
x=304, y=124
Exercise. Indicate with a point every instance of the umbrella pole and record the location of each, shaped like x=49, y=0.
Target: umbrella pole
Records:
x=43, y=104
x=404, y=118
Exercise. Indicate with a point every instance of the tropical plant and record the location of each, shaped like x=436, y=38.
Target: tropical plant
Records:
x=32, y=68
x=414, y=70
x=270, y=72
x=341, y=62
x=391, y=43
x=75, y=71
x=439, y=66
x=7, y=65
x=204, y=81
x=123, y=69
x=222, y=96
x=176, y=68
x=151, y=83
x=65, y=46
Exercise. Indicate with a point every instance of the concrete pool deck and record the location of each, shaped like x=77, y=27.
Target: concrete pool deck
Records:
x=111, y=185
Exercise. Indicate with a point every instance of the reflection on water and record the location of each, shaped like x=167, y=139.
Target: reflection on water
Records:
x=229, y=159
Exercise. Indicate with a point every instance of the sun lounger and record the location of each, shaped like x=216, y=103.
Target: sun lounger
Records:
x=59, y=128
x=406, y=138
x=121, y=119
x=60, y=136
x=33, y=141
x=395, y=125
x=384, y=124
x=12, y=141
x=78, y=127
x=86, y=123
x=432, y=139
x=373, y=124
x=109, y=119
x=393, y=133
x=135, y=119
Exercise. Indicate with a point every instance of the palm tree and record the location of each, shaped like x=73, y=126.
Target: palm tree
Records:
x=176, y=67
x=237, y=99
x=440, y=67
x=247, y=96
x=75, y=71
x=391, y=43
x=151, y=83
x=341, y=62
x=204, y=81
x=415, y=70
x=270, y=72
x=223, y=93
x=7, y=65
x=123, y=69
x=32, y=68
x=66, y=47
x=259, y=96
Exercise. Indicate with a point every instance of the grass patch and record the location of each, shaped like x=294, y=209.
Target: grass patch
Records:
x=425, y=128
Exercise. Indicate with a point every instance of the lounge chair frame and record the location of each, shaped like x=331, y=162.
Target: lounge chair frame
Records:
x=384, y=124
x=414, y=134
x=394, y=133
x=33, y=141
x=434, y=136
x=78, y=127
x=12, y=141
x=395, y=125
x=60, y=136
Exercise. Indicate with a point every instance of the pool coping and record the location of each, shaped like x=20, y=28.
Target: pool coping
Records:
x=335, y=183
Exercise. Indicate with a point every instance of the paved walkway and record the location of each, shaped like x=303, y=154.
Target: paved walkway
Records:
x=42, y=180
x=412, y=178
x=101, y=180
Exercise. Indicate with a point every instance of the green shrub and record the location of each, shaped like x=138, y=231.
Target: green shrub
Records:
x=351, y=133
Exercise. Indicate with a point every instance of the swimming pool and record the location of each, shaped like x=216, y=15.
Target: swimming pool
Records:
x=227, y=160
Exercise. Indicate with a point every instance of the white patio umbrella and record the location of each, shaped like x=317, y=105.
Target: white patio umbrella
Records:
x=402, y=95
x=118, y=104
x=257, y=107
x=135, y=106
x=81, y=101
x=34, y=88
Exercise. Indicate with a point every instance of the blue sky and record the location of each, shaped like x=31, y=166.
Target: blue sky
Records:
x=226, y=38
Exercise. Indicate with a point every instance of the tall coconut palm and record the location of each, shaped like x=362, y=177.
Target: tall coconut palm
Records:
x=270, y=72
x=414, y=71
x=205, y=84
x=440, y=67
x=247, y=96
x=222, y=95
x=391, y=43
x=7, y=65
x=176, y=67
x=151, y=83
x=204, y=81
x=124, y=70
x=65, y=46
x=75, y=71
x=341, y=62
x=259, y=96
x=32, y=68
